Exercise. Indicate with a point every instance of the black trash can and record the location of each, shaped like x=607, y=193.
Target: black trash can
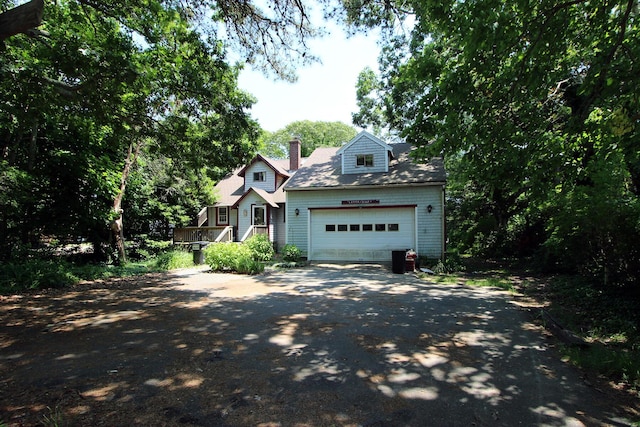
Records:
x=198, y=253
x=397, y=261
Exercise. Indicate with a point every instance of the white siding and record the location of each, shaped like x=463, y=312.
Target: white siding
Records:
x=279, y=227
x=269, y=184
x=365, y=146
x=245, y=212
x=430, y=230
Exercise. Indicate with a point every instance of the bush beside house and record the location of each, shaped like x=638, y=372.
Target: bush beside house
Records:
x=244, y=258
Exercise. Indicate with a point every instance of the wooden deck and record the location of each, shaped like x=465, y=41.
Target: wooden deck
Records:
x=203, y=234
x=188, y=235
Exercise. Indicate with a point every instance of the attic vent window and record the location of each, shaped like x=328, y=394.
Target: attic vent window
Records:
x=364, y=160
x=259, y=176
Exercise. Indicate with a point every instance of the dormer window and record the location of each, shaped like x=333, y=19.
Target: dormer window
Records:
x=364, y=160
x=259, y=176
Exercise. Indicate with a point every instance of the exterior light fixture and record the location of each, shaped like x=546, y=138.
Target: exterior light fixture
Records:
x=297, y=211
x=429, y=208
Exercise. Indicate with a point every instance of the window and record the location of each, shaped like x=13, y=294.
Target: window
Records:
x=367, y=227
x=364, y=159
x=354, y=227
x=259, y=176
x=223, y=215
x=330, y=227
x=381, y=227
x=342, y=227
x=393, y=227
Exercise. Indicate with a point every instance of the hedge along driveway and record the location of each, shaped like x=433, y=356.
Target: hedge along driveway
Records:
x=324, y=345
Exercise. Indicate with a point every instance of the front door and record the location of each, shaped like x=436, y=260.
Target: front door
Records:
x=259, y=215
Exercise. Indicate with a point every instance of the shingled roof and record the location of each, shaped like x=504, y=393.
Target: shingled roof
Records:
x=323, y=170
x=231, y=188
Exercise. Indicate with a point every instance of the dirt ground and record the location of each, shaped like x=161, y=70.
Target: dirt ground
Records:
x=321, y=346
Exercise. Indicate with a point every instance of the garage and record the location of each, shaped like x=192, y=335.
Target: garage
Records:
x=361, y=233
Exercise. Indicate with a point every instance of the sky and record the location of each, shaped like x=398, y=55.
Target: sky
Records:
x=324, y=92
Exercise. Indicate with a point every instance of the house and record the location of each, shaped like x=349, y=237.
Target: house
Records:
x=358, y=202
x=251, y=201
x=365, y=199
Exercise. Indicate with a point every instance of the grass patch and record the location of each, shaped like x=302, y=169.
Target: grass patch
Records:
x=615, y=362
x=174, y=259
x=605, y=316
x=494, y=281
x=36, y=273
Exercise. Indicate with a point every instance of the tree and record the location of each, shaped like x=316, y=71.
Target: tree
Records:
x=104, y=83
x=539, y=103
x=312, y=135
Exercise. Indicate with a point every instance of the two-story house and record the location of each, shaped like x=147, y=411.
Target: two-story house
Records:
x=250, y=201
x=364, y=200
x=358, y=202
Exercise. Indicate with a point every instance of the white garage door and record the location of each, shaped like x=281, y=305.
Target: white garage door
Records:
x=364, y=234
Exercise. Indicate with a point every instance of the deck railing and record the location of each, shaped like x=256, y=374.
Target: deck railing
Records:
x=202, y=234
x=202, y=216
x=253, y=230
x=225, y=235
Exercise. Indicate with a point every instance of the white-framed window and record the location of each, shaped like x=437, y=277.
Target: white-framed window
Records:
x=259, y=215
x=364, y=160
x=223, y=215
x=259, y=176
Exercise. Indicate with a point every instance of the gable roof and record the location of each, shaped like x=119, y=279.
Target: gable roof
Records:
x=270, y=198
x=322, y=170
x=370, y=137
x=269, y=162
x=231, y=188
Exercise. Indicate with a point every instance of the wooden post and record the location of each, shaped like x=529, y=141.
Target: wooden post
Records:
x=21, y=19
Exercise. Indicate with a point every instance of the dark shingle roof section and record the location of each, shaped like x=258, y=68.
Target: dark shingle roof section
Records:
x=231, y=188
x=323, y=169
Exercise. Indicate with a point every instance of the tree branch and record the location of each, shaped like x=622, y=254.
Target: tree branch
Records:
x=21, y=19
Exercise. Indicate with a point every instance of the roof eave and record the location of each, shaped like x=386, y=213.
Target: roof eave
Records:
x=368, y=186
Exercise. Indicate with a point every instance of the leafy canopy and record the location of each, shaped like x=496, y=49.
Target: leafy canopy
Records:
x=535, y=105
x=312, y=134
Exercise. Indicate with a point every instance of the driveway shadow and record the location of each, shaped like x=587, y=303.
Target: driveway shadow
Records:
x=318, y=346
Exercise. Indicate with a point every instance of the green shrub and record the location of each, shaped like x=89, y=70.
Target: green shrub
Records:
x=249, y=266
x=260, y=246
x=35, y=274
x=232, y=257
x=174, y=259
x=291, y=253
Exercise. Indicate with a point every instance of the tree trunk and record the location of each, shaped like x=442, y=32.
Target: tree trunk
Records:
x=117, y=225
x=21, y=19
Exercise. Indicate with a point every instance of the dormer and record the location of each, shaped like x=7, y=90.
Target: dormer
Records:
x=263, y=174
x=365, y=154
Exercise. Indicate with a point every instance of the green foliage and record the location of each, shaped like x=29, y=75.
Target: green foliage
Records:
x=54, y=417
x=610, y=361
x=312, y=135
x=174, y=259
x=605, y=317
x=35, y=274
x=76, y=104
x=536, y=113
x=261, y=248
x=230, y=256
x=451, y=264
x=291, y=253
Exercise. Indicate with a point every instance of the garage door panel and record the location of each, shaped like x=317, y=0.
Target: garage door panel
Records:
x=361, y=245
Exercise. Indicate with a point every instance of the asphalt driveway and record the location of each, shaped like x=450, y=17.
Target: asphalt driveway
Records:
x=328, y=345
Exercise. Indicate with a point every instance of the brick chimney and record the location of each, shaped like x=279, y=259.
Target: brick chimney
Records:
x=294, y=154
